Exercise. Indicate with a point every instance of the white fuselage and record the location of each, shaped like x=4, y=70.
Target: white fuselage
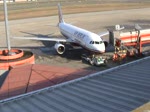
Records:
x=84, y=38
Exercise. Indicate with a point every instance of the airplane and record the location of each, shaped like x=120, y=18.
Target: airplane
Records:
x=75, y=36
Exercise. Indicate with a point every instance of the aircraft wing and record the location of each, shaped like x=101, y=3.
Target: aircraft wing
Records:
x=103, y=34
x=45, y=39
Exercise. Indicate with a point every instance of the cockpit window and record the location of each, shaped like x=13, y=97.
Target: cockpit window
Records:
x=91, y=42
x=96, y=42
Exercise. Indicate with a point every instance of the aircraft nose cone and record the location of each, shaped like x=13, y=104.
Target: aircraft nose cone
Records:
x=100, y=48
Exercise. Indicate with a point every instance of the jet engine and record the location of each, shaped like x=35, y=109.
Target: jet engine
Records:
x=60, y=48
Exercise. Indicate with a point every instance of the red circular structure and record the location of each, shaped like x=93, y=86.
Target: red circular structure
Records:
x=4, y=54
x=14, y=58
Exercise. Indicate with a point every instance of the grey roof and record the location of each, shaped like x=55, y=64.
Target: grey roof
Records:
x=118, y=89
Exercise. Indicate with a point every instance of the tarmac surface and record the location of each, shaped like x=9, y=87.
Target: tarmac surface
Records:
x=47, y=27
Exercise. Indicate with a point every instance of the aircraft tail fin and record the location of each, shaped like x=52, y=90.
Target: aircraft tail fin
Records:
x=60, y=14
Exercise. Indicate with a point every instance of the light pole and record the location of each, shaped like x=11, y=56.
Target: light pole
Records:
x=6, y=27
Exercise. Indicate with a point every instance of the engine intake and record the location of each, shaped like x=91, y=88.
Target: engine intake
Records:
x=60, y=48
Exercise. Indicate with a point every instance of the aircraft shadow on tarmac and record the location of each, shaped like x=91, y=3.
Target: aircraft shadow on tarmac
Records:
x=48, y=48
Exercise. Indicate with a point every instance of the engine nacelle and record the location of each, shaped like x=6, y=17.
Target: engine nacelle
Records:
x=60, y=48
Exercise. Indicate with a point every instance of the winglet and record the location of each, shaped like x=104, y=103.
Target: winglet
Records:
x=60, y=14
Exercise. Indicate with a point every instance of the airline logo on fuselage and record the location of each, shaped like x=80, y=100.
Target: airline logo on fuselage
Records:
x=80, y=36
